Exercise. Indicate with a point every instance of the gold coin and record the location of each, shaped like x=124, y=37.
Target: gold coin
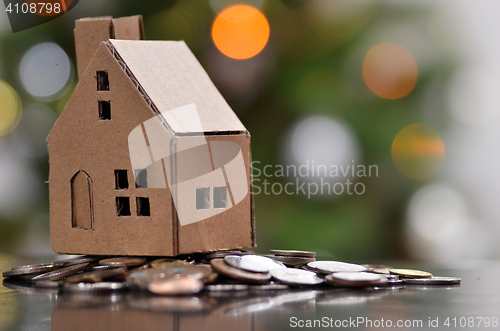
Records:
x=409, y=273
x=163, y=263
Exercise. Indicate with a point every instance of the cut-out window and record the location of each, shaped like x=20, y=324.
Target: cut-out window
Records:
x=102, y=81
x=122, y=206
x=104, y=110
x=220, y=196
x=203, y=198
x=141, y=178
x=121, y=179
x=143, y=206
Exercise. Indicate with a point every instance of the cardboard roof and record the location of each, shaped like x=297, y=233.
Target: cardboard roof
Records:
x=172, y=77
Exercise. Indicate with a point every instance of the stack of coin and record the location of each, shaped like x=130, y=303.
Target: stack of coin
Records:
x=292, y=257
x=227, y=272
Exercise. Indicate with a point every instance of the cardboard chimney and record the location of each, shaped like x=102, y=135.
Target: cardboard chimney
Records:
x=147, y=157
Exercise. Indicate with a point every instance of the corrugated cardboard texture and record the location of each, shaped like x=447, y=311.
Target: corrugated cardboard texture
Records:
x=89, y=33
x=128, y=28
x=172, y=77
x=81, y=141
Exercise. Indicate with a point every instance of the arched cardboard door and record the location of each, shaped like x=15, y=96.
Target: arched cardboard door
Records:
x=81, y=201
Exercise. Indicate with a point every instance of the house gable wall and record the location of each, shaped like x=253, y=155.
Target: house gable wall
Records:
x=80, y=141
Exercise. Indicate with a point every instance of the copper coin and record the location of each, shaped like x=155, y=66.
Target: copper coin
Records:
x=175, y=286
x=252, y=277
x=143, y=277
x=356, y=279
x=123, y=261
x=61, y=273
x=95, y=276
x=293, y=253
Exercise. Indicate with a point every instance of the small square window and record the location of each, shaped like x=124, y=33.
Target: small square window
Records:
x=104, y=110
x=102, y=81
x=122, y=206
x=203, y=198
x=141, y=178
x=143, y=206
x=121, y=179
x=220, y=196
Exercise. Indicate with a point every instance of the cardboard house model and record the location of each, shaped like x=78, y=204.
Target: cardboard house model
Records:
x=147, y=157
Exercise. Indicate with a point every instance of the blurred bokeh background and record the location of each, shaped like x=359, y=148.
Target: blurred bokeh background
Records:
x=411, y=88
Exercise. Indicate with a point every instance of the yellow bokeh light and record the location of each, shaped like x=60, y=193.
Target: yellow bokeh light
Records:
x=418, y=151
x=10, y=108
x=240, y=32
x=390, y=71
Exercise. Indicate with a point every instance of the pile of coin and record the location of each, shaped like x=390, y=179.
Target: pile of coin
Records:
x=221, y=271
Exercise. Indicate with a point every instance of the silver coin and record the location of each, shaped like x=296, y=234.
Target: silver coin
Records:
x=355, y=279
x=76, y=260
x=435, y=280
x=390, y=276
x=293, y=253
x=221, y=254
x=245, y=264
x=394, y=281
x=141, y=278
x=226, y=287
x=90, y=287
x=102, y=267
x=268, y=262
x=61, y=273
x=328, y=267
x=29, y=270
x=296, y=277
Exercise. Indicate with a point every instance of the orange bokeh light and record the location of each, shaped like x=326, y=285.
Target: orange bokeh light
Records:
x=390, y=71
x=418, y=151
x=240, y=31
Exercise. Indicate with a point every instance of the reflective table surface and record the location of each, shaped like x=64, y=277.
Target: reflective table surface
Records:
x=473, y=305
